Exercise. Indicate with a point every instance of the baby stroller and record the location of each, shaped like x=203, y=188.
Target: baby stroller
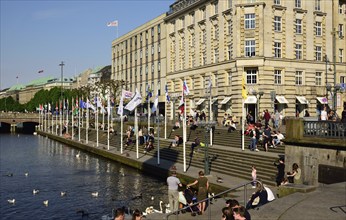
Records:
x=190, y=198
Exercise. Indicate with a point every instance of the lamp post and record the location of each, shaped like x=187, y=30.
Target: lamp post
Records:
x=159, y=118
x=208, y=126
x=62, y=76
x=333, y=92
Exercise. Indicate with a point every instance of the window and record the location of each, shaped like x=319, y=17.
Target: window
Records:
x=251, y=76
x=182, y=19
x=216, y=32
x=317, y=5
x=216, y=8
x=159, y=66
x=250, y=21
x=229, y=3
x=318, y=53
x=159, y=29
x=141, y=54
x=277, y=23
x=277, y=77
x=277, y=49
x=299, y=52
x=341, y=30
x=152, y=49
x=159, y=87
x=229, y=52
x=146, y=51
x=277, y=2
x=298, y=3
x=229, y=27
x=204, y=36
x=204, y=13
x=216, y=55
x=318, y=79
x=298, y=26
x=299, y=77
x=318, y=28
x=152, y=68
x=250, y=47
x=152, y=32
x=204, y=57
x=341, y=51
x=192, y=17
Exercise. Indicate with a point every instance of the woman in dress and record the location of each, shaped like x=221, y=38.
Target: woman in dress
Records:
x=203, y=185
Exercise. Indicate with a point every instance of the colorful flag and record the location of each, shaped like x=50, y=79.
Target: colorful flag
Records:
x=168, y=98
x=156, y=103
x=40, y=71
x=181, y=104
x=112, y=24
x=149, y=92
x=121, y=106
x=137, y=100
x=185, y=88
x=243, y=88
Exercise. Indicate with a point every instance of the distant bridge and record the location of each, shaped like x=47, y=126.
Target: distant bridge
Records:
x=16, y=118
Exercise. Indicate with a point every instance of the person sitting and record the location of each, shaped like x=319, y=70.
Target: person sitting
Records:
x=194, y=144
x=175, y=142
x=176, y=126
x=258, y=198
x=295, y=175
x=233, y=203
x=148, y=146
x=276, y=138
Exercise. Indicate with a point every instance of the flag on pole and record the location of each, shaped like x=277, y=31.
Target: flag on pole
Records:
x=156, y=103
x=40, y=71
x=137, y=100
x=168, y=98
x=112, y=24
x=243, y=88
x=121, y=106
x=181, y=104
x=185, y=88
x=149, y=92
x=89, y=105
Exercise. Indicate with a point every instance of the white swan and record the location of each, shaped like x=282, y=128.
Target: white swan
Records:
x=35, y=191
x=11, y=201
x=167, y=208
x=95, y=194
x=152, y=198
x=62, y=193
x=148, y=210
x=26, y=174
x=157, y=211
x=45, y=202
x=78, y=155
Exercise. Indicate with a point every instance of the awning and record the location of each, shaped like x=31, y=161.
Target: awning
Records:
x=225, y=100
x=251, y=100
x=200, y=102
x=213, y=100
x=322, y=100
x=281, y=99
x=302, y=100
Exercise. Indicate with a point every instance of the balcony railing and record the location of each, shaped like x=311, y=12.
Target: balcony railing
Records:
x=325, y=129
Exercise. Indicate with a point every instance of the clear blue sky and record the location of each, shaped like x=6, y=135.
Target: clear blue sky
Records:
x=38, y=35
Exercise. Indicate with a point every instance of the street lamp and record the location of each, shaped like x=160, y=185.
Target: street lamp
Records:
x=62, y=76
x=333, y=92
x=208, y=126
x=258, y=95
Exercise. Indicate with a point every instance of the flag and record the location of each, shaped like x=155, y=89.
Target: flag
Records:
x=185, y=88
x=149, y=92
x=40, y=71
x=89, y=105
x=126, y=94
x=168, y=98
x=210, y=85
x=156, y=103
x=243, y=88
x=49, y=107
x=181, y=104
x=112, y=24
x=121, y=106
x=137, y=100
x=98, y=103
x=82, y=104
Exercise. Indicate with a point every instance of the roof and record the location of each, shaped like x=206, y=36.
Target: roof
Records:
x=97, y=69
x=16, y=87
x=40, y=81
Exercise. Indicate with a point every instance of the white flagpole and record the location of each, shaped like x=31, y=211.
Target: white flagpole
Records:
x=166, y=118
x=61, y=113
x=52, y=120
x=82, y=115
x=149, y=113
x=243, y=125
x=79, y=109
x=87, y=124
x=103, y=119
x=136, y=130
x=108, y=112
x=97, y=126
x=67, y=111
x=210, y=118
x=56, y=121
x=184, y=134
x=44, y=120
x=121, y=132
x=158, y=135
x=72, y=135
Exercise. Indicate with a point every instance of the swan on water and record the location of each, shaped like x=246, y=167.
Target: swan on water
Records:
x=78, y=155
x=95, y=194
x=11, y=201
x=26, y=174
x=157, y=211
x=148, y=210
x=62, y=193
x=152, y=198
x=35, y=191
x=45, y=202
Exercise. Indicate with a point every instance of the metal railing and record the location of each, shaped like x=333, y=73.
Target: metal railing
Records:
x=325, y=129
x=175, y=214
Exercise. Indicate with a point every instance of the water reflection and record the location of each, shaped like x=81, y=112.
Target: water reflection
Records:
x=53, y=167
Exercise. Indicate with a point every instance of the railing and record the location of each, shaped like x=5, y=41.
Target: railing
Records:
x=325, y=129
x=174, y=215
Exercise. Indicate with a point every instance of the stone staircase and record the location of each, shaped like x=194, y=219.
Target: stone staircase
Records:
x=225, y=155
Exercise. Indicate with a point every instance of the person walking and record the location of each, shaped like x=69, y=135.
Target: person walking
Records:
x=203, y=185
x=281, y=171
x=173, y=195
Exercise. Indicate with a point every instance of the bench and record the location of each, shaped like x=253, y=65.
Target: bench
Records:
x=290, y=188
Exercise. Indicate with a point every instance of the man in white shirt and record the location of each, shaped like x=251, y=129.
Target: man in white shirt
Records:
x=173, y=195
x=324, y=115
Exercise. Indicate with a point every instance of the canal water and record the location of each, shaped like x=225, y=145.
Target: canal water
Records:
x=52, y=168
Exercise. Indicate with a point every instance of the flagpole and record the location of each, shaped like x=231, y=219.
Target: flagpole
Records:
x=211, y=119
x=44, y=120
x=67, y=111
x=56, y=121
x=136, y=130
x=243, y=125
x=158, y=135
x=39, y=117
x=149, y=113
x=72, y=135
x=61, y=113
x=79, y=109
x=103, y=119
x=184, y=135
x=108, y=112
x=166, y=119
x=121, y=132
x=52, y=131
x=97, y=126
x=87, y=124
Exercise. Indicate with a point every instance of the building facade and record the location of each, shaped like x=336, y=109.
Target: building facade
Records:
x=290, y=52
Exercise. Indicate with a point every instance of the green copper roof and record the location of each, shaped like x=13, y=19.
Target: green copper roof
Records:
x=40, y=81
x=16, y=87
x=97, y=69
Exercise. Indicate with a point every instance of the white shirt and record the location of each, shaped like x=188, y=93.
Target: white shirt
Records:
x=323, y=115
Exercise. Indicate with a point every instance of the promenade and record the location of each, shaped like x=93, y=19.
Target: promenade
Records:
x=315, y=205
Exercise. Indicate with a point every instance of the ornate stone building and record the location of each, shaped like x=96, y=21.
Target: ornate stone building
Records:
x=288, y=51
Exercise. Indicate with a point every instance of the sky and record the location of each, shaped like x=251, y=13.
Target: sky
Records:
x=39, y=35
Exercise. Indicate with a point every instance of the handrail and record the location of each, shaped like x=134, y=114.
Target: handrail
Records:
x=215, y=196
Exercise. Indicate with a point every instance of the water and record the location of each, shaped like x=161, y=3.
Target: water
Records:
x=52, y=167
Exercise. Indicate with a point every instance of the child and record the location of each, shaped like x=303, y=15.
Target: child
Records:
x=254, y=176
